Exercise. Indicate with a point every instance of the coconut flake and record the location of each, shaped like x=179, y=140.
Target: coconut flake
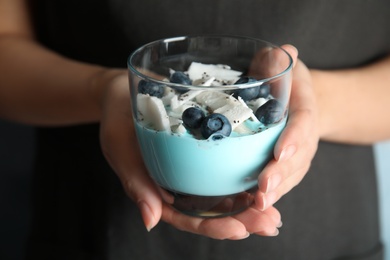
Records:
x=198, y=70
x=236, y=114
x=153, y=112
x=253, y=117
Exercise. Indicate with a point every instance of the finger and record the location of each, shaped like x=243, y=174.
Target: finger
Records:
x=119, y=146
x=260, y=222
x=279, y=177
x=295, y=147
x=217, y=228
x=302, y=115
x=271, y=61
x=290, y=174
x=293, y=51
x=233, y=228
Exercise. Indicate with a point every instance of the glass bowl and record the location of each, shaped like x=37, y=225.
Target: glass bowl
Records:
x=208, y=111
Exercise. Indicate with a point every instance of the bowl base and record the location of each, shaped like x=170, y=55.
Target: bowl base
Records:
x=212, y=206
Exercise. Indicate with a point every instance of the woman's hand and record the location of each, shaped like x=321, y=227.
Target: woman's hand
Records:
x=298, y=143
x=293, y=153
x=119, y=145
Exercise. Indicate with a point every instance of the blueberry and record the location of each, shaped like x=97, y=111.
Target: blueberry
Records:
x=216, y=124
x=246, y=93
x=245, y=79
x=264, y=91
x=180, y=77
x=193, y=117
x=150, y=88
x=270, y=112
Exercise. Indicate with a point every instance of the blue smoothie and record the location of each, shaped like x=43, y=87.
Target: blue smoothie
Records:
x=184, y=164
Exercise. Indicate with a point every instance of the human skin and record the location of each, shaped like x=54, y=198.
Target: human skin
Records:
x=57, y=91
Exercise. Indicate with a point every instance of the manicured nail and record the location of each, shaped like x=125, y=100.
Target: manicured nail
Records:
x=287, y=152
x=246, y=235
x=275, y=233
x=240, y=237
x=273, y=182
x=280, y=224
x=268, y=200
x=147, y=215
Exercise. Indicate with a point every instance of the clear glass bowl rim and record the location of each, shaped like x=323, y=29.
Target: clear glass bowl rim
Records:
x=181, y=38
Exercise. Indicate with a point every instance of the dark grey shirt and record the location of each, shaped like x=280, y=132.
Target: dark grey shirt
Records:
x=81, y=211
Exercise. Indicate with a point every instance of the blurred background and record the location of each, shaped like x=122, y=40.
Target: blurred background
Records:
x=382, y=155
x=16, y=162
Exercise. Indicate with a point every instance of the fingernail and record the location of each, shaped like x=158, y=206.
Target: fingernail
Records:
x=287, y=152
x=240, y=237
x=273, y=182
x=246, y=235
x=275, y=233
x=280, y=224
x=268, y=200
x=263, y=202
x=147, y=215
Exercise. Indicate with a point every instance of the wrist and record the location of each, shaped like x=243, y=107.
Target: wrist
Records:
x=318, y=78
x=333, y=90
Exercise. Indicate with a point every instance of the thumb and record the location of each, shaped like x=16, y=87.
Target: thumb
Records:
x=292, y=51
